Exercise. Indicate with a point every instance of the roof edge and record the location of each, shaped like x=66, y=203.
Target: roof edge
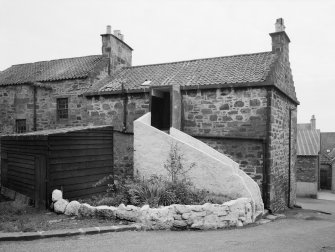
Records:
x=55, y=60
x=208, y=58
x=191, y=87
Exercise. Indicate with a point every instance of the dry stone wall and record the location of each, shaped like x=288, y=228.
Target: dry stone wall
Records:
x=234, y=213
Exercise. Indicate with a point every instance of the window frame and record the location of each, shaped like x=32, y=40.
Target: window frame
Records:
x=62, y=111
x=20, y=127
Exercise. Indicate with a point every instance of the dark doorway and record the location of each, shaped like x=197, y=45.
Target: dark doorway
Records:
x=160, y=110
x=326, y=177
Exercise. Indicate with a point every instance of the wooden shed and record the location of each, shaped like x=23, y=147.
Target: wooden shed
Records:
x=73, y=159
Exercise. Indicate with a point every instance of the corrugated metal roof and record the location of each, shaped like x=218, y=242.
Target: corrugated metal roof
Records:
x=61, y=69
x=246, y=68
x=308, y=142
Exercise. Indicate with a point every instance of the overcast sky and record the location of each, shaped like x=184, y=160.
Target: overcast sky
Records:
x=166, y=31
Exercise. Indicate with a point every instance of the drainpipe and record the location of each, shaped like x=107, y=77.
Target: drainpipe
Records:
x=289, y=156
x=109, y=64
x=125, y=110
x=34, y=101
x=267, y=172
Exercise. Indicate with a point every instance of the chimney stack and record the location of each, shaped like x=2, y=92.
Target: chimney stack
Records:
x=109, y=29
x=118, y=52
x=117, y=33
x=279, y=26
x=313, y=122
x=280, y=40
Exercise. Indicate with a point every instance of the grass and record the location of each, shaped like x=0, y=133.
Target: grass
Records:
x=16, y=217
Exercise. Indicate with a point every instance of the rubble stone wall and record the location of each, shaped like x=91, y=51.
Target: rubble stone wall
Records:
x=307, y=168
x=234, y=213
x=109, y=110
x=248, y=154
x=279, y=158
x=225, y=112
x=123, y=153
x=17, y=102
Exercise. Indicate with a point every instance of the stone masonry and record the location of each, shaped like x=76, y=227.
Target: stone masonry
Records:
x=109, y=110
x=17, y=103
x=248, y=154
x=307, y=168
x=279, y=158
x=225, y=112
x=254, y=124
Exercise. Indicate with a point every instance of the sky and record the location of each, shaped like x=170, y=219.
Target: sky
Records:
x=162, y=31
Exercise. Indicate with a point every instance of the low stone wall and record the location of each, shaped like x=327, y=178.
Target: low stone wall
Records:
x=234, y=213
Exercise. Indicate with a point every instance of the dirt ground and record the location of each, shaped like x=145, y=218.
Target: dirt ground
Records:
x=15, y=217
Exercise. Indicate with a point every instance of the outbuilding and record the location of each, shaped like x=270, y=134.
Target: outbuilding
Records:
x=71, y=159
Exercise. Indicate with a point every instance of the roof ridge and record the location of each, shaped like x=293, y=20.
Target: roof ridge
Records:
x=183, y=61
x=42, y=61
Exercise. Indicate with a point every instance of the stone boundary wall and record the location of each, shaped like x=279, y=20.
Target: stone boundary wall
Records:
x=234, y=213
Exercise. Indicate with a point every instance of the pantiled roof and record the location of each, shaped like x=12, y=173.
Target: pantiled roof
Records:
x=308, y=142
x=61, y=69
x=326, y=159
x=331, y=154
x=247, y=68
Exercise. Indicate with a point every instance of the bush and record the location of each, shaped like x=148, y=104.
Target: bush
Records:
x=157, y=190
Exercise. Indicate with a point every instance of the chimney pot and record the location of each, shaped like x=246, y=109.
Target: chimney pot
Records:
x=122, y=37
x=313, y=122
x=109, y=29
x=117, y=33
x=279, y=26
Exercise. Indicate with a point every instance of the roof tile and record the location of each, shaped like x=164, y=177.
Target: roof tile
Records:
x=52, y=70
x=247, y=68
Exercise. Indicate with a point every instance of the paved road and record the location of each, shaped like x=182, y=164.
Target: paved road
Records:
x=301, y=231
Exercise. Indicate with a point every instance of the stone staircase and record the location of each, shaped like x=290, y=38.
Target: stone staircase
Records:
x=213, y=171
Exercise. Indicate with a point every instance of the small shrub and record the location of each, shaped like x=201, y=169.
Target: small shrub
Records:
x=156, y=191
x=174, y=164
x=153, y=192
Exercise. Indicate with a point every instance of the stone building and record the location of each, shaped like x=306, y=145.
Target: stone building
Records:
x=243, y=105
x=308, y=161
x=327, y=172
x=327, y=167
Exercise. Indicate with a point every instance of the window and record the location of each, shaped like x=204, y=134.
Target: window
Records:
x=62, y=108
x=21, y=126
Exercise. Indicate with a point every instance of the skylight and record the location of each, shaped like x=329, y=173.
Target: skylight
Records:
x=146, y=83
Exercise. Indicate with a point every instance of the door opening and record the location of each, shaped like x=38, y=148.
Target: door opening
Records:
x=326, y=177
x=161, y=109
